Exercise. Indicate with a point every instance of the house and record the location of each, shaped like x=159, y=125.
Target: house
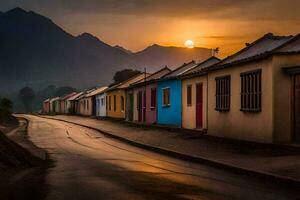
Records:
x=141, y=98
x=46, y=106
x=71, y=103
x=63, y=102
x=254, y=94
x=194, y=95
x=116, y=96
x=54, y=105
x=101, y=105
x=169, y=96
x=84, y=103
x=91, y=102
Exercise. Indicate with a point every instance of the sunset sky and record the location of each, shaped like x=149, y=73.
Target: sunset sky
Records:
x=136, y=24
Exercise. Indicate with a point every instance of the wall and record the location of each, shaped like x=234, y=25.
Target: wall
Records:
x=101, y=109
x=86, y=106
x=189, y=112
x=150, y=112
x=170, y=115
x=118, y=113
x=235, y=123
x=282, y=85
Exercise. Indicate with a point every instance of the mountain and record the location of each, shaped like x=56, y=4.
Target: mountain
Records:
x=35, y=52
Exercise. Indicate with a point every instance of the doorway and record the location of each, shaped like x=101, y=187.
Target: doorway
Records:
x=199, y=106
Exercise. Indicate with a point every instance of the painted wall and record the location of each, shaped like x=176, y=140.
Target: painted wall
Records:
x=236, y=124
x=46, y=107
x=189, y=111
x=118, y=113
x=86, y=106
x=282, y=84
x=169, y=115
x=101, y=108
x=150, y=113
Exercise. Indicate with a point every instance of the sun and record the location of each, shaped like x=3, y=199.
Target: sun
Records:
x=189, y=44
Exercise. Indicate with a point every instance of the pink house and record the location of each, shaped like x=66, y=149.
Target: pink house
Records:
x=141, y=98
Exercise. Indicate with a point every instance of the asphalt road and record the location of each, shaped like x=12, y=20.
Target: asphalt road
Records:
x=88, y=165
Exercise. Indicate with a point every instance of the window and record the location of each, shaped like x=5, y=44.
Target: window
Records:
x=102, y=101
x=251, y=91
x=115, y=103
x=153, y=97
x=122, y=103
x=87, y=104
x=109, y=102
x=166, y=97
x=189, y=95
x=223, y=93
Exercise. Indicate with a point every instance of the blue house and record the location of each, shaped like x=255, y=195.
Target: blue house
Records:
x=169, y=96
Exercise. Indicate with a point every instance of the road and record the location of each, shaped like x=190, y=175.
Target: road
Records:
x=89, y=165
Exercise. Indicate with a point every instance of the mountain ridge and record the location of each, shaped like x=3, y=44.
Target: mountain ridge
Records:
x=36, y=52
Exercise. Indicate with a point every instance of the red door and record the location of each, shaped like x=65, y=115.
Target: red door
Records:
x=199, y=106
x=297, y=108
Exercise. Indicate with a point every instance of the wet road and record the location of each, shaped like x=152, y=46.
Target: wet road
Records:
x=88, y=165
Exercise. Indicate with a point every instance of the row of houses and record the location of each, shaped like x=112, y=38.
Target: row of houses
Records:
x=251, y=95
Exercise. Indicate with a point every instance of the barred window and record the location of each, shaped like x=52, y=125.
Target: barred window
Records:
x=153, y=97
x=223, y=93
x=166, y=97
x=251, y=91
x=189, y=95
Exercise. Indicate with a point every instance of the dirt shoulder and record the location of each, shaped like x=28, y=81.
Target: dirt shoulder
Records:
x=22, y=172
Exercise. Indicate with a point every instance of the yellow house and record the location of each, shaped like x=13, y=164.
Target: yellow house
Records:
x=255, y=94
x=116, y=98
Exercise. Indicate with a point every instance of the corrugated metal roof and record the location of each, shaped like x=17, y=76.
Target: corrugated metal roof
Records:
x=180, y=70
x=265, y=44
x=96, y=91
x=156, y=75
x=68, y=96
x=207, y=63
x=75, y=96
x=292, y=46
x=128, y=82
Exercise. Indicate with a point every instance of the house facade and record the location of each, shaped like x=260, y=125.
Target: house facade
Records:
x=194, y=96
x=89, y=102
x=63, y=102
x=169, y=102
x=141, y=98
x=46, y=106
x=116, y=101
x=70, y=103
x=101, y=105
x=251, y=97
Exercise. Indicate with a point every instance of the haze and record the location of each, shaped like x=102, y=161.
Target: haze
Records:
x=136, y=24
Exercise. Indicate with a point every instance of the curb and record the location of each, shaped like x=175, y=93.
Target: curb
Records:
x=195, y=159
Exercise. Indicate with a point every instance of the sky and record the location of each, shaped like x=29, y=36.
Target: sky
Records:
x=136, y=24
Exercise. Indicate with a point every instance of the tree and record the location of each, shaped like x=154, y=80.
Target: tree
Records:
x=125, y=74
x=5, y=109
x=27, y=96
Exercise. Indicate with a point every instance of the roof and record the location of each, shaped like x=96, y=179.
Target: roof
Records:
x=47, y=100
x=258, y=49
x=156, y=75
x=96, y=91
x=54, y=99
x=75, y=96
x=180, y=70
x=128, y=82
x=68, y=96
x=292, y=46
x=206, y=63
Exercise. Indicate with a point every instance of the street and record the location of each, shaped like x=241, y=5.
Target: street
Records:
x=88, y=165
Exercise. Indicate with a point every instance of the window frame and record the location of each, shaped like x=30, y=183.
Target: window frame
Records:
x=163, y=97
x=252, y=98
x=223, y=93
x=122, y=101
x=115, y=103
